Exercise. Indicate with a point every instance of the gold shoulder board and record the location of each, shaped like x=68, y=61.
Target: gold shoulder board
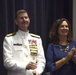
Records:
x=11, y=34
x=34, y=35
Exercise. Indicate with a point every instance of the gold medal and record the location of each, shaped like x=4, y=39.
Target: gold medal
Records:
x=33, y=47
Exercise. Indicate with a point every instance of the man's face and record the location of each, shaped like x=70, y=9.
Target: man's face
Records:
x=22, y=21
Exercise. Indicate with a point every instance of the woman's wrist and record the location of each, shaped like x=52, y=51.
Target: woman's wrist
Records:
x=64, y=60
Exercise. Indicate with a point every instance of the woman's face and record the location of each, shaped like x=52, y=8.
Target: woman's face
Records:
x=63, y=29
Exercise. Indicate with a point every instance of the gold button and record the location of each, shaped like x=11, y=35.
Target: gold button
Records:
x=25, y=46
x=26, y=55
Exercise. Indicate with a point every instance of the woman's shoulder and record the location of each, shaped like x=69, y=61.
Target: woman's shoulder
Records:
x=73, y=41
x=51, y=44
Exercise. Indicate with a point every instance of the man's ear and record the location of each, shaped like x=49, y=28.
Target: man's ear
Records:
x=16, y=22
x=29, y=20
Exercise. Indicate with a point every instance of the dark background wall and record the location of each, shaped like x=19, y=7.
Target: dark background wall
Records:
x=42, y=14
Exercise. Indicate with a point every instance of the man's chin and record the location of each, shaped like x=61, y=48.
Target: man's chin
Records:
x=26, y=26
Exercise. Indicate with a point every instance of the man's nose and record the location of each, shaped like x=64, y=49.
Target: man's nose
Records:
x=64, y=27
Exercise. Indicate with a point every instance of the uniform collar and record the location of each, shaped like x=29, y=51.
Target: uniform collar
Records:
x=23, y=34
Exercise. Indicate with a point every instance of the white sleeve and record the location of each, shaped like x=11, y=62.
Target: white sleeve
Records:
x=41, y=58
x=9, y=62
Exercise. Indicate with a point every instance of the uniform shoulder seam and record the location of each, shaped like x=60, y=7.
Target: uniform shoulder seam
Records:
x=11, y=34
x=34, y=35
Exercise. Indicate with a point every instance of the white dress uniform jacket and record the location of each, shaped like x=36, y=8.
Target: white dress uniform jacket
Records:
x=21, y=48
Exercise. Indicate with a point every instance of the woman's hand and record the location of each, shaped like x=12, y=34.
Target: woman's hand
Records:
x=70, y=54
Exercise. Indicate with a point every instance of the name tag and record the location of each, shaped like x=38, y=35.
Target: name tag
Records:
x=17, y=44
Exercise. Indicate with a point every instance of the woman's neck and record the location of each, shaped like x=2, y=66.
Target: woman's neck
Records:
x=63, y=40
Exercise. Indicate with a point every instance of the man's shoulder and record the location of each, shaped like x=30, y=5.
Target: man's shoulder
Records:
x=10, y=34
x=34, y=35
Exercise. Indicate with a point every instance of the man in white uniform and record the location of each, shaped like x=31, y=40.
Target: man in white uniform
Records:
x=23, y=51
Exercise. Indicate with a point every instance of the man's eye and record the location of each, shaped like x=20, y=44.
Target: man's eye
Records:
x=61, y=26
x=25, y=17
x=64, y=26
x=21, y=18
x=67, y=26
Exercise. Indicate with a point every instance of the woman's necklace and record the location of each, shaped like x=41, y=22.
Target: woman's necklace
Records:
x=64, y=48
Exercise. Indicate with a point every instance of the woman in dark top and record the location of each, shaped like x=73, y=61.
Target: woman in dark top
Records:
x=60, y=56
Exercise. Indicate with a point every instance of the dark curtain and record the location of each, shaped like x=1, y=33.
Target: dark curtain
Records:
x=42, y=14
